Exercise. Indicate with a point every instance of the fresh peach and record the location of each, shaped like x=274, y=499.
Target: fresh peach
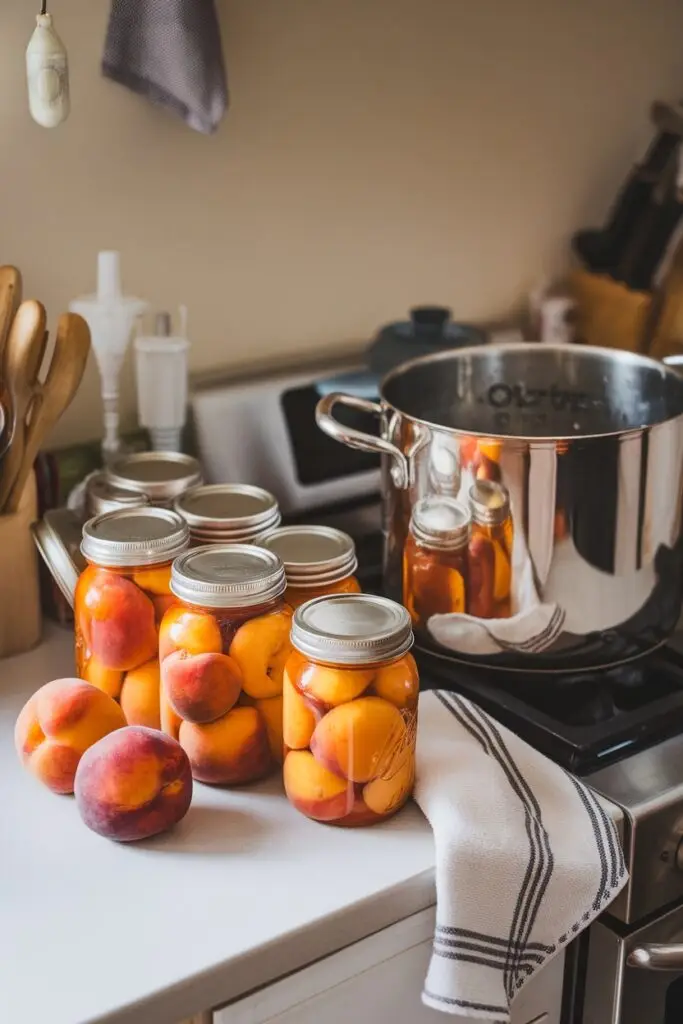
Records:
x=170, y=722
x=315, y=791
x=335, y=685
x=155, y=580
x=58, y=724
x=133, y=784
x=271, y=711
x=385, y=795
x=117, y=621
x=201, y=687
x=109, y=680
x=358, y=740
x=189, y=631
x=140, y=695
x=162, y=602
x=261, y=647
x=231, y=751
x=398, y=683
x=298, y=717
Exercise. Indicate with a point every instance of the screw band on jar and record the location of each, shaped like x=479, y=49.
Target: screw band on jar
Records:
x=441, y=522
x=228, y=513
x=228, y=576
x=313, y=556
x=352, y=629
x=102, y=496
x=489, y=503
x=160, y=476
x=134, y=537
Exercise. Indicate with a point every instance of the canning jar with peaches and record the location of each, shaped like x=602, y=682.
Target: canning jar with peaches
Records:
x=120, y=600
x=350, y=710
x=318, y=560
x=222, y=648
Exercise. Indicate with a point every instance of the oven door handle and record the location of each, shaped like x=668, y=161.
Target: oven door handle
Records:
x=656, y=957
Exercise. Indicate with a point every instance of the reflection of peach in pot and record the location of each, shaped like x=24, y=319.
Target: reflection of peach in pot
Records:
x=482, y=567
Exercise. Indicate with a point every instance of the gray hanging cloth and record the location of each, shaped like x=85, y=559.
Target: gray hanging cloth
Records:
x=170, y=51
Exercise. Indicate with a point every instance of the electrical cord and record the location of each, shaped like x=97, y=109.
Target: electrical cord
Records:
x=43, y=7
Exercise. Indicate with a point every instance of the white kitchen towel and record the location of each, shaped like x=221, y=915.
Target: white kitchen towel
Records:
x=170, y=51
x=526, y=857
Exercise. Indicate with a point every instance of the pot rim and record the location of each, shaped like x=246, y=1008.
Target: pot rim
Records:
x=616, y=355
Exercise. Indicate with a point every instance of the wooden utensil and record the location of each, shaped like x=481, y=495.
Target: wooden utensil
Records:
x=23, y=356
x=64, y=376
x=10, y=300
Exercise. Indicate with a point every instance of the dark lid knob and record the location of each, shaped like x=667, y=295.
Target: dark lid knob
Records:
x=430, y=318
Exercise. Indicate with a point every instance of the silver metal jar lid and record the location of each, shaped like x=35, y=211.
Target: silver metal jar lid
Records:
x=58, y=537
x=441, y=522
x=228, y=512
x=313, y=556
x=162, y=476
x=489, y=503
x=228, y=576
x=134, y=536
x=352, y=629
x=101, y=496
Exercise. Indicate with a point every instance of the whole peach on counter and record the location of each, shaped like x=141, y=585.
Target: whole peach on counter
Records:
x=133, y=784
x=261, y=647
x=140, y=695
x=231, y=751
x=58, y=724
x=314, y=790
x=193, y=632
x=359, y=740
x=109, y=680
x=201, y=687
x=117, y=620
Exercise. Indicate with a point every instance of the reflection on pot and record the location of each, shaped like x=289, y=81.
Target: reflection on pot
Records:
x=435, y=569
x=490, y=551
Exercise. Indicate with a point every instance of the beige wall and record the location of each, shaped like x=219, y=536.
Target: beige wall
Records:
x=378, y=153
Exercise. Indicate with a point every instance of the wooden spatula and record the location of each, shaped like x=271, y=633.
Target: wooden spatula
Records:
x=10, y=300
x=72, y=346
x=23, y=356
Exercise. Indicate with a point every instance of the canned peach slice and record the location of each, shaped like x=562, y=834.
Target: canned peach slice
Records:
x=398, y=683
x=298, y=718
x=155, y=580
x=359, y=740
x=109, y=680
x=387, y=794
x=314, y=790
x=261, y=647
x=335, y=685
x=193, y=632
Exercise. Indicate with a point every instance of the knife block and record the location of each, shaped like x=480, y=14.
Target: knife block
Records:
x=609, y=314
x=20, y=619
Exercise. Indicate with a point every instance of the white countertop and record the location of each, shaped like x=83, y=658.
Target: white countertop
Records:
x=243, y=891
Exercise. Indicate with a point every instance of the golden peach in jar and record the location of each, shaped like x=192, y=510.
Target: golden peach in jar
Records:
x=120, y=600
x=490, y=551
x=350, y=710
x=435, y=560
x=318, y=561
x=222, y=647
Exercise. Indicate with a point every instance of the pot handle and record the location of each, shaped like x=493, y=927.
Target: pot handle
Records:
x=353, y=438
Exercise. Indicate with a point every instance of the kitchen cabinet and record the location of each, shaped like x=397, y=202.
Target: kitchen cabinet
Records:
x=378, y=979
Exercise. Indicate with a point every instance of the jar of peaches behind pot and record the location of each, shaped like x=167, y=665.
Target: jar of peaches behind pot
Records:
x=119, y=602
x=228, y=513
x=223, y=648
x=435, y=559
x=350, y=709
x=318, y=560
x=490, y=551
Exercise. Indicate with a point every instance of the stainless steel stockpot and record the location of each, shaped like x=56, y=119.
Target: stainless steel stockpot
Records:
x=588, y=443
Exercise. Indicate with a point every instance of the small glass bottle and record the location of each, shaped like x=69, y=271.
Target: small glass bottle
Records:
x=490, y=551
x=223, y=647
x=120, y=599
x=435, y=561
x=228, y=513
x=350, y=710
x=318, y=560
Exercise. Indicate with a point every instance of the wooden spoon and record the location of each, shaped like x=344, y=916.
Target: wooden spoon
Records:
x=23, y=356
x=72, y=346
x=10, y=300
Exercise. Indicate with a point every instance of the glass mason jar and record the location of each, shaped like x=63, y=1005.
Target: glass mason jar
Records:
x=160, y=476
x=228, y=513
x=318, y=560
x=350, y=710
x=120, y=600
x=223, y=647
x=490, y=551
x=101, y=496
x=435, y=559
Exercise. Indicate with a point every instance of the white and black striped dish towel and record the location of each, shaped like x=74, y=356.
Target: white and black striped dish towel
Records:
x=526, y=857
x=170, y=51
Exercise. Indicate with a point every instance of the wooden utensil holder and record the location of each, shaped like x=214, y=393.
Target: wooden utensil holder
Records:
x=20, y=618
x=609, y=314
